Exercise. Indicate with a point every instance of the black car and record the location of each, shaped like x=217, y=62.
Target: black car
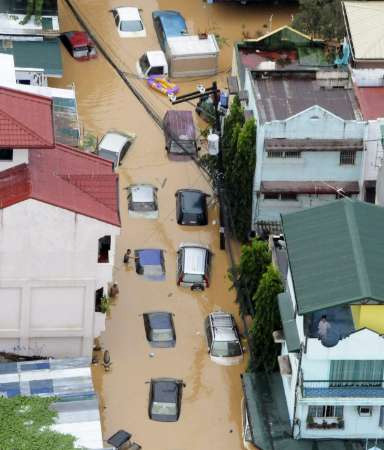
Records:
x=165, y=399
x=191, y=207
x=159, y=329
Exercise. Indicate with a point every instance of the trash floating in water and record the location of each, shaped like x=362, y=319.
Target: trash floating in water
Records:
x=151, y=354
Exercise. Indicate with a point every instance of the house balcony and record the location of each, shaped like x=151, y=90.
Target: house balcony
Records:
x=342, y=389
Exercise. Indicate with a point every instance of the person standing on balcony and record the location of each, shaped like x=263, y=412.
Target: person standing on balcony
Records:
x=323, y=327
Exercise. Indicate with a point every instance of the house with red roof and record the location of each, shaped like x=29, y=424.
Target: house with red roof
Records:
x=59, y=220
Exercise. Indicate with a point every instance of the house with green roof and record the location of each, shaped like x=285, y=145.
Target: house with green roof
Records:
x=332, y=312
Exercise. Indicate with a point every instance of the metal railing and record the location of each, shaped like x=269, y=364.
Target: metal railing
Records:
x=342, y=388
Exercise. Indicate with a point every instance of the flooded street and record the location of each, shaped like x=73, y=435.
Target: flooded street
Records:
x=210, y=413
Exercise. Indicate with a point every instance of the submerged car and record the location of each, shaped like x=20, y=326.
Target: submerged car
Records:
x=159, y=329
x=223, y=339
x=165, y=399
x=114, y=146
x=168, y=24
x=142, y=201
x=128, y=22
x=180, y=135
x=193, y=266
x=191, y=207
x=79, y=45
x=150, y=263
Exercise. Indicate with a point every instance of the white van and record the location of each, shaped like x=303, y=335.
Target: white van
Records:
x=193, y=266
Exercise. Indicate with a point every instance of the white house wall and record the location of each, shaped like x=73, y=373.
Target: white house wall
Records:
x=48, y=277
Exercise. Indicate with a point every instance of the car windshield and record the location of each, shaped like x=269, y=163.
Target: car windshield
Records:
x=167, y=409
x=193, y=278
x=131, y=25
x=144, y=63
x=162, y=335
x=80, y=49
x=229, y=348
x=143, y=206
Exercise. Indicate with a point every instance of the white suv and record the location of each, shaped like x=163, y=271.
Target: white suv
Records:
x=114, y=146
x=223, y=340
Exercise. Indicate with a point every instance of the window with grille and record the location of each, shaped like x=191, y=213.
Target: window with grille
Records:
x=347, y=158
x=271, y=196
x=288, y=196
x=290, y=154
x=325, y=411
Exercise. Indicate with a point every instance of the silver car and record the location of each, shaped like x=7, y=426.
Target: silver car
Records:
x=114, y=146
x=223, y=340
x=193, y=266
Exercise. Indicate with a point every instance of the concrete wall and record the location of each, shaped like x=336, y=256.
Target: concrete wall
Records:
x=48, y=277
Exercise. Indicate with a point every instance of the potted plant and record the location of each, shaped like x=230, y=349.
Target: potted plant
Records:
x=105, y=305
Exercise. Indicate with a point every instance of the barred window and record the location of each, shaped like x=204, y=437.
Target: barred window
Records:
x=293, y=154
x=288, y=196
x=275, y=154
x=325, y=411
x=347, y=158
x=290, y=154
x=271, y=196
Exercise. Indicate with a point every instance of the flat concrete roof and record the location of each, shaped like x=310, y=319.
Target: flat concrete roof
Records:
x=282, y=97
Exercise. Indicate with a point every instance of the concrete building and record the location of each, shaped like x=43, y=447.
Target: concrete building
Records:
x=310, y=133
x=59, y=219
x=331, y=362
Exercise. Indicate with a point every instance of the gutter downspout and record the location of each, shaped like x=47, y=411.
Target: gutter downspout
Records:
x=294, y=422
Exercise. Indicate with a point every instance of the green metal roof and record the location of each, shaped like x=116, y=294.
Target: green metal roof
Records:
x=287, y=315
x=336, y=253
x=45, y=54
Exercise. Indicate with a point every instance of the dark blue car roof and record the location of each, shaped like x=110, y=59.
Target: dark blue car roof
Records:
x=165, y=391
x=173, y=23
x=160, y=321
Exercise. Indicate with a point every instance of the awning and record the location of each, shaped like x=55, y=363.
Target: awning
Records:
x=45, y=54
x=287, y=314
x=322, y=145
x=310, y=187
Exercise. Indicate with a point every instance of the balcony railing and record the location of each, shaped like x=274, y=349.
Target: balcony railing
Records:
x=344, y=388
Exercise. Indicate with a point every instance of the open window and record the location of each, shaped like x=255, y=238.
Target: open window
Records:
x=104, y=248
x=6, y=154
x=364, y=411
x=99, y=293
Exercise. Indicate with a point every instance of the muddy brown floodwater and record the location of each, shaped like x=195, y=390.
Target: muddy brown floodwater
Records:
x=210, y=414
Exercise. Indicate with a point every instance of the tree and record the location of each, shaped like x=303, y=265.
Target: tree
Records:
x=254, y=260
x=266, y=320
x=234, y=117
x=239, y=181
x=320, y=19
x=25, y=425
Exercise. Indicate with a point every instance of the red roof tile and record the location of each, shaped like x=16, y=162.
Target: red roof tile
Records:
x=67, y=178
x=25, y=120
x=371, y=101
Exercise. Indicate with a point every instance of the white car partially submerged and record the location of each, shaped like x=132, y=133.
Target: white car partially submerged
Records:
x=128, y=22
x=142, y=201
x=152, y=63
x=114, y=146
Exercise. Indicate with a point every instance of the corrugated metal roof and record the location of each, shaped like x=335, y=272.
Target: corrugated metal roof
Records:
x=335, y=254
x=371, y=101
x=280, y=98
x=25, y=120
x=70, y=381
x=45, y=54
x=365, y=25
x=287, y=315
x=310, y=187
x=67, y=178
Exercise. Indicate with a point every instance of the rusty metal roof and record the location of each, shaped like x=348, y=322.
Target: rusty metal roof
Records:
x=25, y=120
x=283, y=97
x=310, y=187
x=313, y=144
x=371, y=101
x=67, y=178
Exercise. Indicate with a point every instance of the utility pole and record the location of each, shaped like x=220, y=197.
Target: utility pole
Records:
x=203, y=92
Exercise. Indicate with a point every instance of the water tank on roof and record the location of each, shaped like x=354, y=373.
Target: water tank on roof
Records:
x=213, y=144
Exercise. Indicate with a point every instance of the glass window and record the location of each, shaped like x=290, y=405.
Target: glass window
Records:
x=356, y=373
x=288, y=196
x=6, y=154
x=157, y=70
x=168, y=409
x=271, y=196
x=231, y=348
x=131, y=25
x=325, y=411
x=364, y=410
x=162, y=335
x=144, y=63
x=347, y=158
x=193, y=278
